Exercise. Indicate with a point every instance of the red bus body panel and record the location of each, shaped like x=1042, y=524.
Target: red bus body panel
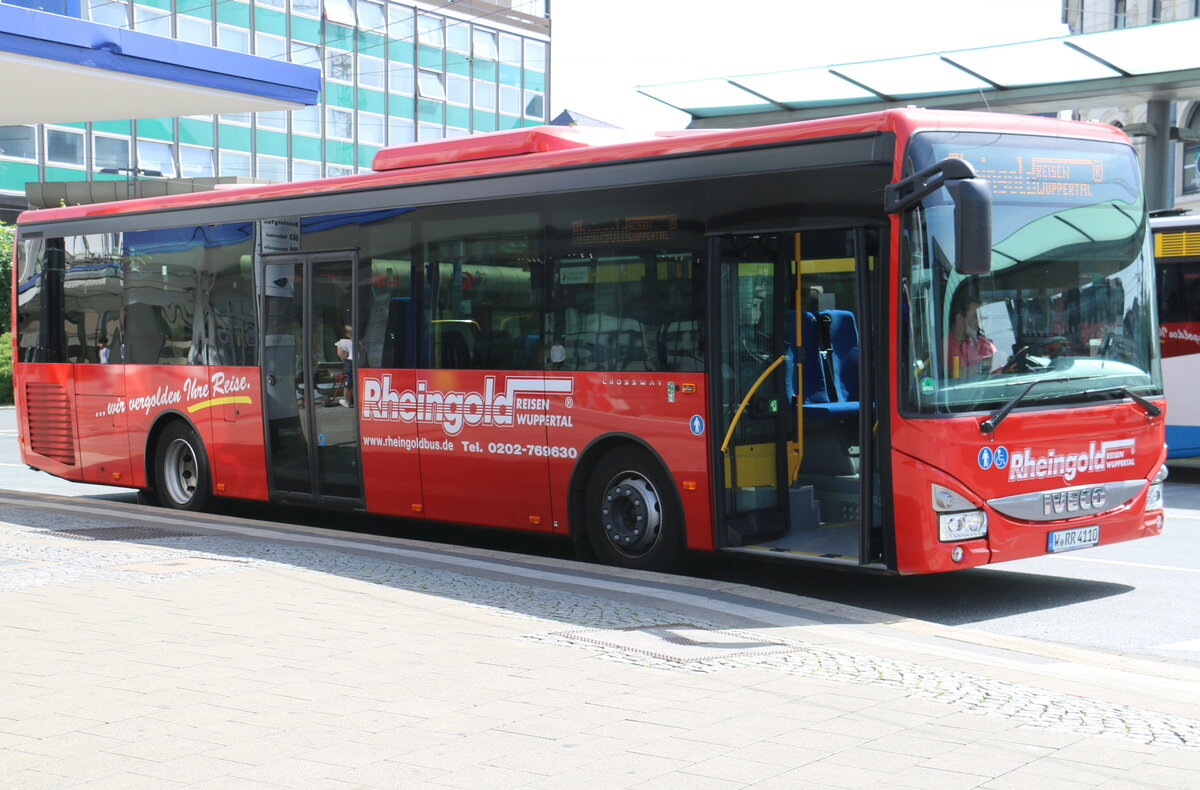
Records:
x=1132, y=447
x=514, y=469
x=114, y=408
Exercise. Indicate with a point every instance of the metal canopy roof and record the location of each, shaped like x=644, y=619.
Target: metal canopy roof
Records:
x=1102, y=69
x=58, y=69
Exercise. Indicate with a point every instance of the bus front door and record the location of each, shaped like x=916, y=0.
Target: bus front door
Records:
x=788, y=394
x=312, y=432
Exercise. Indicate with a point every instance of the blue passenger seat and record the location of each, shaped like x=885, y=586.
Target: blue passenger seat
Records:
x=814, y=389
x=843, y=347
x=840, y=349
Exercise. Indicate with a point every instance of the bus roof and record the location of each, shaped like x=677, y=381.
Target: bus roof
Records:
x=548, y=147
x=1175, y=221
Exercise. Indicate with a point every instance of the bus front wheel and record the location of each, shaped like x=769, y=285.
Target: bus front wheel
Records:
x=631, y=517
x=181, y=469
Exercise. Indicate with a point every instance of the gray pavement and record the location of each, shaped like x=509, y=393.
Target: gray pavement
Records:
x=146, y=648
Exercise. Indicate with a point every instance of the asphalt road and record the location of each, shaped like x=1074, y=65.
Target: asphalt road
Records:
x=1140, y=597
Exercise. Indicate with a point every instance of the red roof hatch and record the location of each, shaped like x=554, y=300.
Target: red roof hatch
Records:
x=535, y=139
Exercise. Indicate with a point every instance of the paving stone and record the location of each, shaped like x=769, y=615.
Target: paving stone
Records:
x=353, y=668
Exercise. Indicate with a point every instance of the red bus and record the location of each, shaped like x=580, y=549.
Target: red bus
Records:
x=906, y=341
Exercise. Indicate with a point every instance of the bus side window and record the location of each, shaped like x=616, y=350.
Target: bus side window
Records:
x=483, y=283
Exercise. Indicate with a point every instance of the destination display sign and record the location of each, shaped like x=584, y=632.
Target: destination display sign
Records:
x=624, y=230
x=1011, y=172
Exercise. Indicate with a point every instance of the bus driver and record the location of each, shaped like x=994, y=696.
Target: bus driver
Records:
x=968, y=351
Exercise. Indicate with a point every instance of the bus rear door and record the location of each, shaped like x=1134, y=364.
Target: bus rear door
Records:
x=312, y=431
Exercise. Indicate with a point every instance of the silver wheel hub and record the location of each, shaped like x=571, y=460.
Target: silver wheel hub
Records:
x=180, y=471
x=631, y=515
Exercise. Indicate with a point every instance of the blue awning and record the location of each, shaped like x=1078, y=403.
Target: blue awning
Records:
x=58, y=69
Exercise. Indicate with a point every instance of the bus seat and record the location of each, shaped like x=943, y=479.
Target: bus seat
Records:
x=454, y=353
x=825, y=398
x=681, y=346
x=814, y=390
x=843, y=348
x=145, y=339
x=494, y=349
x=527, y=353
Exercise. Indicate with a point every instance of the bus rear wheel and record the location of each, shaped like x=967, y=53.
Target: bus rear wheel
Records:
x=181, y=469
x=631, y=517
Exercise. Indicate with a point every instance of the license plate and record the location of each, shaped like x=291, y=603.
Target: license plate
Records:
x=1068, y=539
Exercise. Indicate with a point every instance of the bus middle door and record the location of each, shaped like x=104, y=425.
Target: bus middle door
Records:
x=312, y=426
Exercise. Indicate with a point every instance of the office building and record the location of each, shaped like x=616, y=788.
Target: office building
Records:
x=1171, y=115
x=392, y=73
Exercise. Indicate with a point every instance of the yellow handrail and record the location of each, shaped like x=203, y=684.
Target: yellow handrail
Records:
x=749, y=394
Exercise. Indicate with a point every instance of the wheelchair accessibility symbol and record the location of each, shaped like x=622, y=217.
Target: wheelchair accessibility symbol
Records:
x=988, y=457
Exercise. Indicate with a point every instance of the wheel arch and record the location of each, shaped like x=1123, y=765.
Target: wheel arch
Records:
x=589, y=457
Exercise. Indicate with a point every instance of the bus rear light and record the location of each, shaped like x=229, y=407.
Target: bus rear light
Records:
x=962, y=526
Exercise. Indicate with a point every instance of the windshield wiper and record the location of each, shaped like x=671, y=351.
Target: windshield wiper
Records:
x=989, y=425
x=1150, y=409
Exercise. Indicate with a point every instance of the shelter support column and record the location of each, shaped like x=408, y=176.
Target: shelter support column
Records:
x=1158, y=156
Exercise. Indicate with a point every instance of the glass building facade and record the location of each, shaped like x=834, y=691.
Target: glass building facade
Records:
x=392, y=73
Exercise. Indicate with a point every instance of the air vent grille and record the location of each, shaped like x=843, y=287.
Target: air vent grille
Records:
x=51, y=429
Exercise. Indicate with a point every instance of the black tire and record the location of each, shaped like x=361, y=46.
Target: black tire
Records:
x=181, y=476
x=631, y=513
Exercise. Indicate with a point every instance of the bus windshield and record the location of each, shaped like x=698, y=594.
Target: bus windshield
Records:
x=1069, y=299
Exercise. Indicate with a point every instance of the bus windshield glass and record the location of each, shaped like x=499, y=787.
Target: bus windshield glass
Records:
x=1069, y=298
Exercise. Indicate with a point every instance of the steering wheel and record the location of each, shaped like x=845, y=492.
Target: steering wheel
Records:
x=1020, y=360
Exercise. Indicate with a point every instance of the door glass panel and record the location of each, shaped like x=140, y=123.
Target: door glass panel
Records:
x=284, y=376
x=751, y=404
x=334, y=346
x=826, y=422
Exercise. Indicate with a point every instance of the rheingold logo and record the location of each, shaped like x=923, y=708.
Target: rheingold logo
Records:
x=1098, y=457
x=524, y=400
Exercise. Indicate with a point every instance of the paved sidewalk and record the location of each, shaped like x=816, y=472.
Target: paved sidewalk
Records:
x=144, y=648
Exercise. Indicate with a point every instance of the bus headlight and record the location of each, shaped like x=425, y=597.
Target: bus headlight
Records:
x=1154, y=494
x=962, y=526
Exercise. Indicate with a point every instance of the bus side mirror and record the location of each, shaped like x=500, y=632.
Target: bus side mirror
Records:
x=972, y=198
x=972, y=224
